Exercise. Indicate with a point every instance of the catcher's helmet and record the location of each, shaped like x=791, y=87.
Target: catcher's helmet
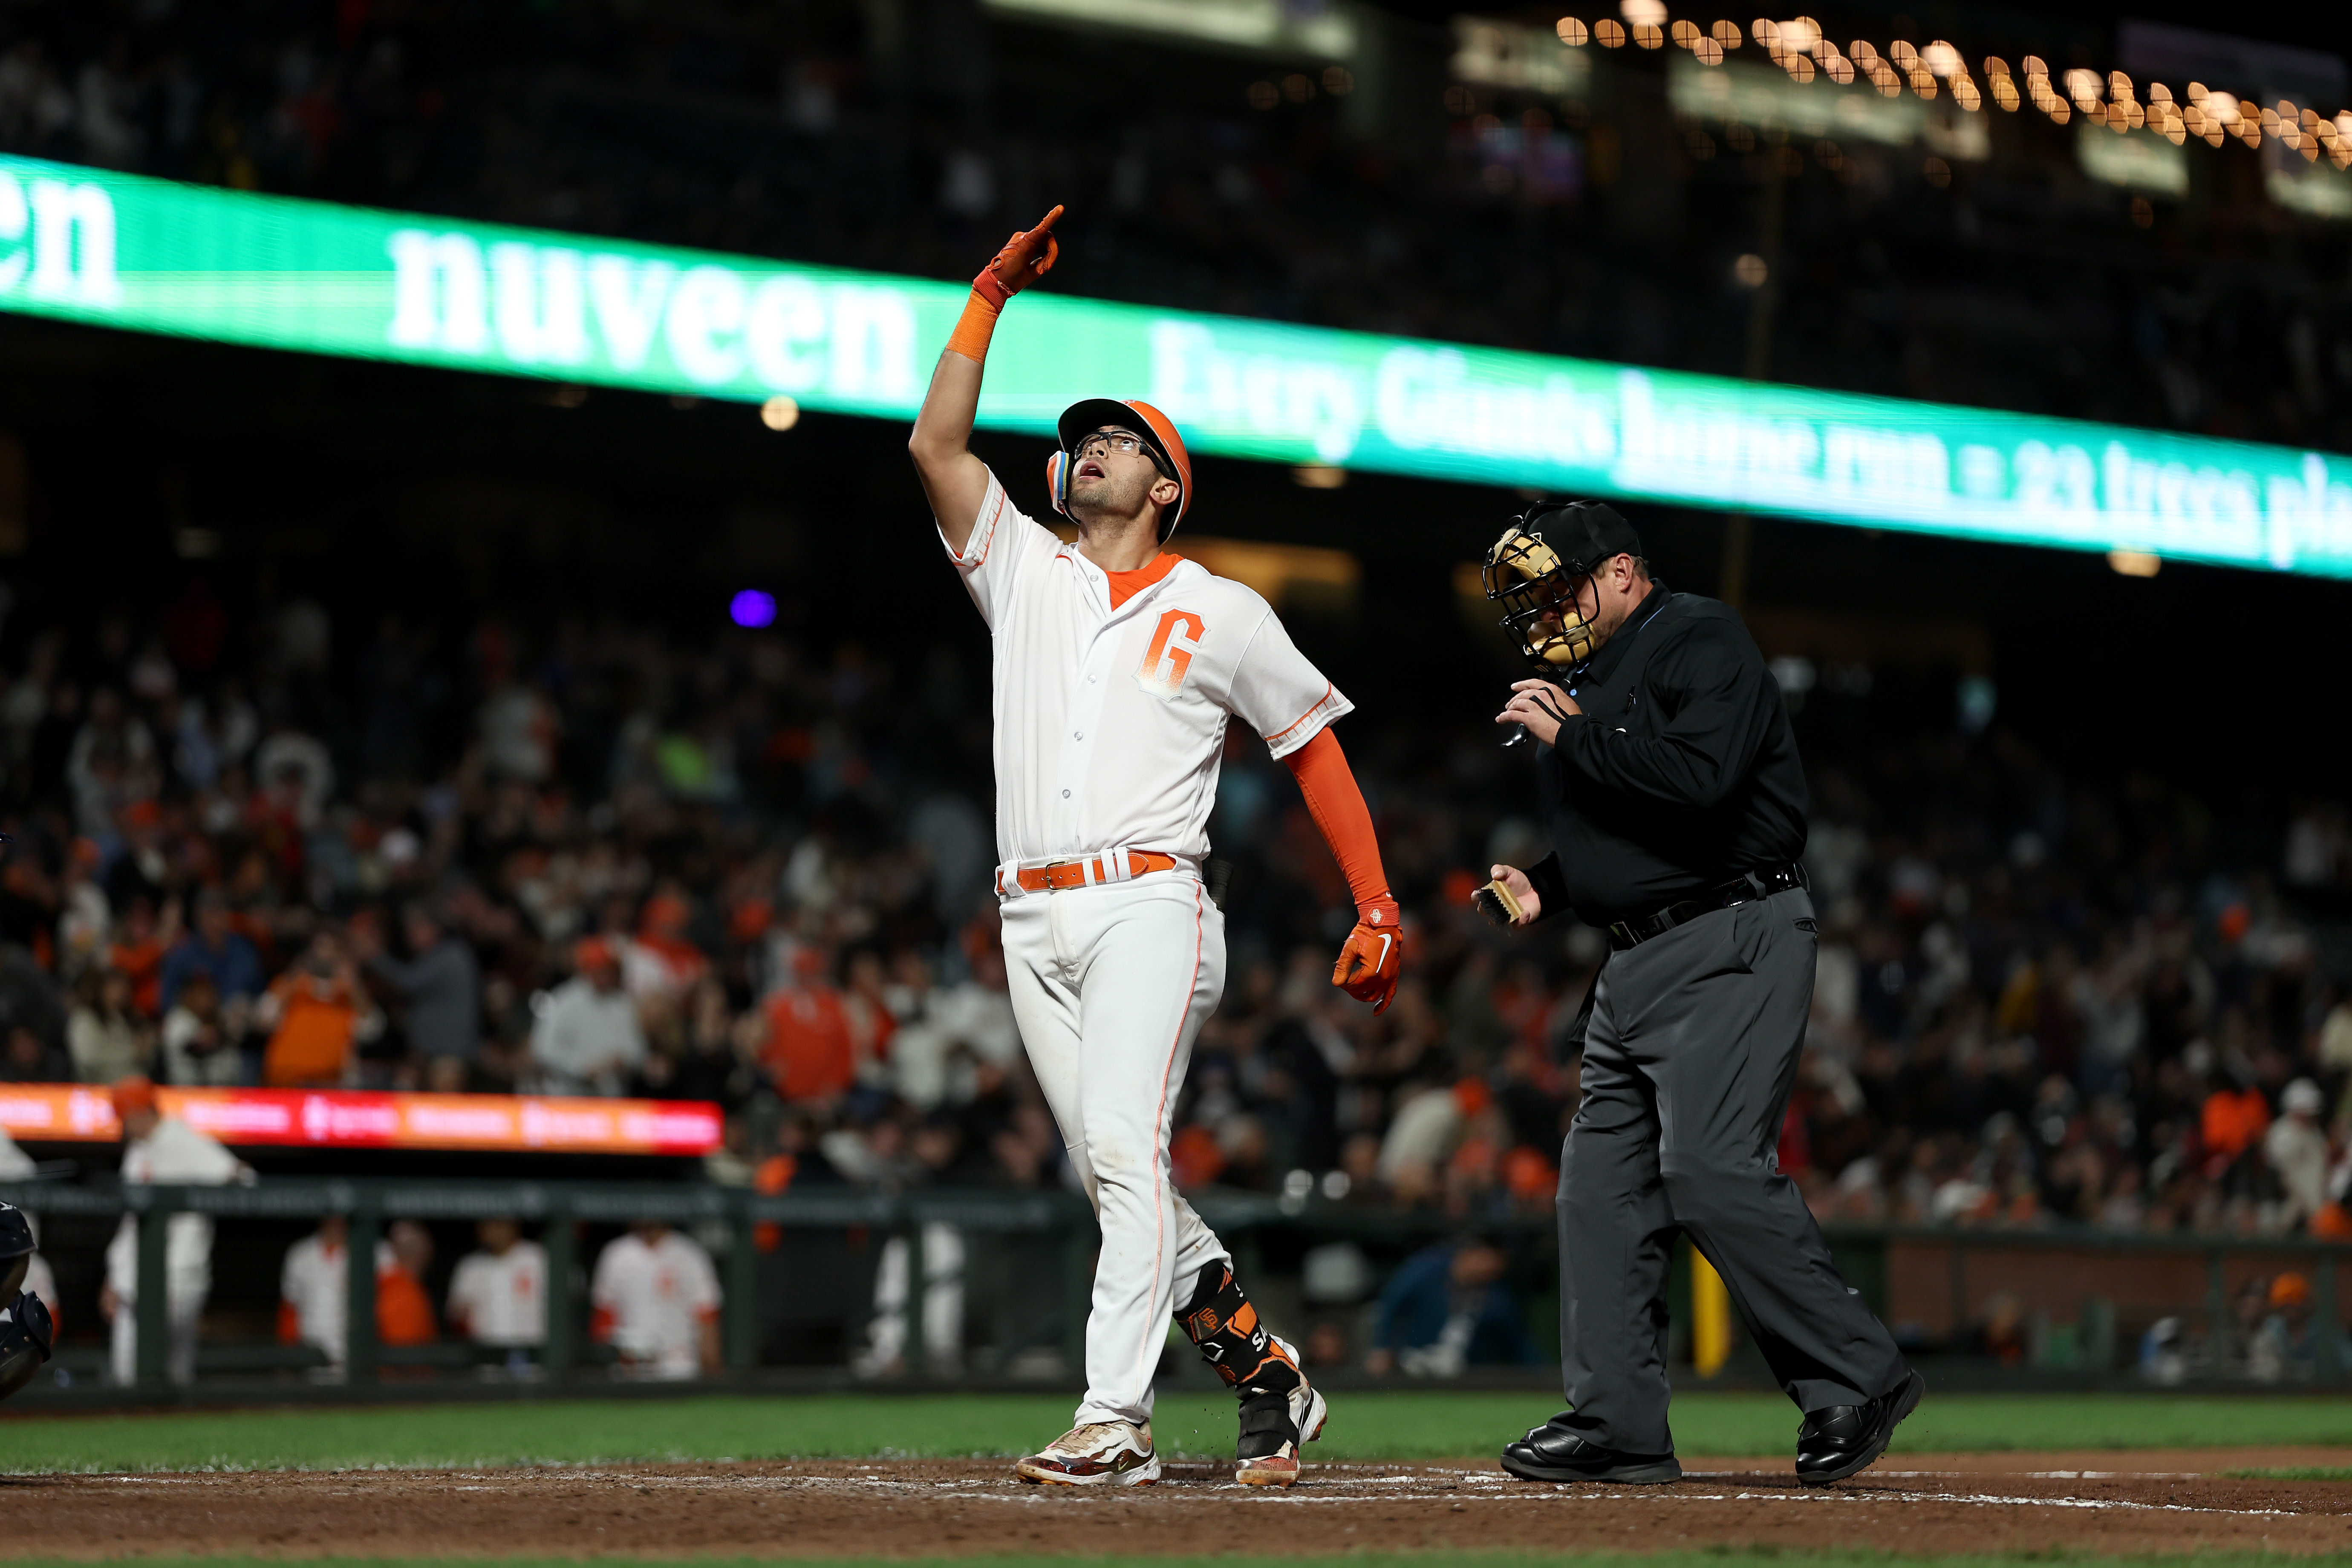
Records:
x=15, y=1250
x=1160, y=438
x=1532, y=571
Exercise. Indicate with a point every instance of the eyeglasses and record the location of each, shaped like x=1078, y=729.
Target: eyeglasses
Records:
x=1103, y=442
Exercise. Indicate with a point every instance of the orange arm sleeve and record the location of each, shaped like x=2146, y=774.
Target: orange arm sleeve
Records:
x=1338, y=806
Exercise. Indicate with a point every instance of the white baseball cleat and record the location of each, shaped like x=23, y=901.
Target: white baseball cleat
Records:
x=1100, y=1453
x=1274, y=1426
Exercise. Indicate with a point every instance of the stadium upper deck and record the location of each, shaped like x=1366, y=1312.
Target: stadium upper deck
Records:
x=1594, y=202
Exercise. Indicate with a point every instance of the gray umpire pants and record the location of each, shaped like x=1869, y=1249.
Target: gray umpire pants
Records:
x=1688, y=1059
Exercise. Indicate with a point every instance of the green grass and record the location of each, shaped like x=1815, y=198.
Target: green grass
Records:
x=1724, y=1557
x=2296, y=1473
x=1381, y=1425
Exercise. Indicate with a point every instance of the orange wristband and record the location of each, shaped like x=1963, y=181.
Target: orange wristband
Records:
x=972, y=334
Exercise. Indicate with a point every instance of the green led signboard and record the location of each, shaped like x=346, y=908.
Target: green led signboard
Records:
x=151, y=255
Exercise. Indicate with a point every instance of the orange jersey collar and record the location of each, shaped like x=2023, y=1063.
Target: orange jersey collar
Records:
x=1126, y=585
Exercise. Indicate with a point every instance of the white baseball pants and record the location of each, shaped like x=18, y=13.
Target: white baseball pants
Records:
x=942, y=1305
x=184, y=1312
x=1110, y=986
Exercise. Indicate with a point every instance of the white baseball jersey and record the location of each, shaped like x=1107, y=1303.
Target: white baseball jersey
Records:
x=315, y=1280
x=1110, y=723
x=653, y=1301
x=502, y=1298
x=174, y=1154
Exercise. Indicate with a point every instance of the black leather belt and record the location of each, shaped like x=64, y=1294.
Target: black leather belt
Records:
x=1754, y=885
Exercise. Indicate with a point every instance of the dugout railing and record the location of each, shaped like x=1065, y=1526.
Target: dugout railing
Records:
x=2102, y=1288
x=559, y=1210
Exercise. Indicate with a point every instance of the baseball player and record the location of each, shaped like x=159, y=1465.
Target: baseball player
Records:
x=25, y=1332
x=1118, y=665
x=164, y=1151
x=655, y=1299
x=498, y=1295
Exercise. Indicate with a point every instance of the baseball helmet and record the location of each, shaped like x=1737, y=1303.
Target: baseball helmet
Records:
x=1534, y=569
x=1159, y=437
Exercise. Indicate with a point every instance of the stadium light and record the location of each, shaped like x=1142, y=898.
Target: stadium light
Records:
x=753, y=608
x=1507, y=55
x=1804, y=53
x=1326, y=31
x=2138, y=161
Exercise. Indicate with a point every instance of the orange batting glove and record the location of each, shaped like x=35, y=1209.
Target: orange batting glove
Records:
x=1367, y=969
x=1026, y=257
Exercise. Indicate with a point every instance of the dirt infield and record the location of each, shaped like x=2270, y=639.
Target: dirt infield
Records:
x=2110, y=1502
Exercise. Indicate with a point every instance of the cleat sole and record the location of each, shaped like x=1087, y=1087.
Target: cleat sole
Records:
x=1037, y=1474
x=1268, y=1473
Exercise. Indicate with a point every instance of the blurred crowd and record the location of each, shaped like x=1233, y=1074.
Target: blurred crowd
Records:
x=2038, y=999
x=605, y=860
x=908, y=139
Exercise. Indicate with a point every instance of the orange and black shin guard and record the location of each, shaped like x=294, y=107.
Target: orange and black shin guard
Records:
x=1224, y=1328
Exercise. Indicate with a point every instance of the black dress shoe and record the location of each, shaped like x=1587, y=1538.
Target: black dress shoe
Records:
x=1551, y=1454
x=1844, y=1439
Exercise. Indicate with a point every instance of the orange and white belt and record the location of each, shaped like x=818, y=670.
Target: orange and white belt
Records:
x=1016, y=877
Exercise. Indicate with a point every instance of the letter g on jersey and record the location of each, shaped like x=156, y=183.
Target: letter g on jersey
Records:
x=1169, y=658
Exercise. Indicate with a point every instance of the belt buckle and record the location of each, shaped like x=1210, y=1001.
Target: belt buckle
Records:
x=1064, y=875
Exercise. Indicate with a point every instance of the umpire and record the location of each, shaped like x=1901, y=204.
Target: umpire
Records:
x=1677, y=808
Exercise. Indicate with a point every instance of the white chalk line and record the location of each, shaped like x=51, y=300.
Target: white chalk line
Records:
x=1302, y=1499
x=1309, y=1494
x=1507, y=1490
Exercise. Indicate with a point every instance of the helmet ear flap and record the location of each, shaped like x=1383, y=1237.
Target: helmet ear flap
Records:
x=1057, y=482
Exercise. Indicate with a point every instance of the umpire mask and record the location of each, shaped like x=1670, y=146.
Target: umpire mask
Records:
x=1536, y=569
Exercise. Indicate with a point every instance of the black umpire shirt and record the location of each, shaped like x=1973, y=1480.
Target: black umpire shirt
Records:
x=1680, y=773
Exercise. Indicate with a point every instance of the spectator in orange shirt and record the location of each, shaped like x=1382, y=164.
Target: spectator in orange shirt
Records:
x=2234, y=1120
x=317, y=1013
x=139, y=949
x=810, y=1050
